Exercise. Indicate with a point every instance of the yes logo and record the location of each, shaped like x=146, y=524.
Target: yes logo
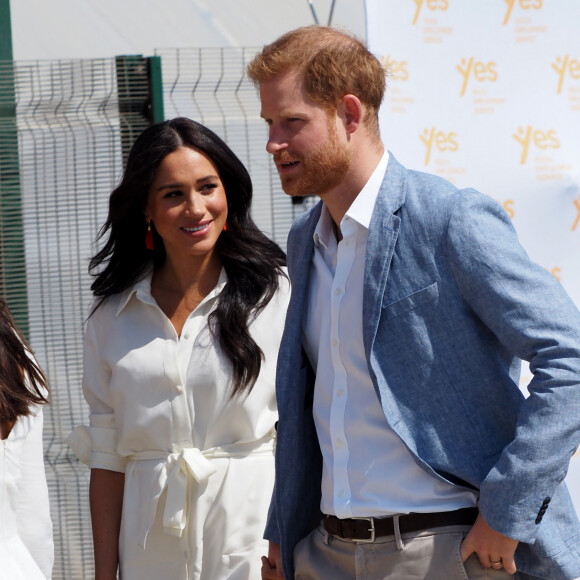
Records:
x=524, y=4
x=480, y=70
x=563, y=65
x=541, y=139
x=577, y=220
x=397, y=68
x=431, y=5
x=442, y=141
x=508, y=205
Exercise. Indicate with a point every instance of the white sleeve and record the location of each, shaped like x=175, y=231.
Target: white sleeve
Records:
x=33, y=509
x=96, y=445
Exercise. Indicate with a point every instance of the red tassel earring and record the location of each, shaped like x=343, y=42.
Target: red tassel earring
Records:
x=225, y=228
x=149, y=244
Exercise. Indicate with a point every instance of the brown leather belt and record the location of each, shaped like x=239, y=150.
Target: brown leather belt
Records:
x=367, y=529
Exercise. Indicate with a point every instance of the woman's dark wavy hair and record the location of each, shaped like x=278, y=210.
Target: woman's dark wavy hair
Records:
x=21, y=379
x=252, y=261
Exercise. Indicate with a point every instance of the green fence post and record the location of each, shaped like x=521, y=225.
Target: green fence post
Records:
x=156, y=89
x=13, y=260
x=140, y=93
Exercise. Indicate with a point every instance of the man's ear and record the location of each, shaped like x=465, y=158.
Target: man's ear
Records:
x=350, y=110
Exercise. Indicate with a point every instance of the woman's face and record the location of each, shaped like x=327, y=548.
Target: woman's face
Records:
x=187, y=203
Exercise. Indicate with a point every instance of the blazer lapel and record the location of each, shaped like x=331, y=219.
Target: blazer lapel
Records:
x=383, y=233
x=300, y=248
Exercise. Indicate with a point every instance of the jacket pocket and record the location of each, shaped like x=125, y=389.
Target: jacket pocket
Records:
x=418, y=298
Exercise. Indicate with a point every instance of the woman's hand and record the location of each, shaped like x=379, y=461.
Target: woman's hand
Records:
x=272, y=565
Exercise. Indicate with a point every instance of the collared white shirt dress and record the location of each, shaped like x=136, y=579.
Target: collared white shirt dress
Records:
x=26, y=544
x=198, y=464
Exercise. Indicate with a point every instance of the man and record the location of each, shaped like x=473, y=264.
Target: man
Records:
x=405, y=447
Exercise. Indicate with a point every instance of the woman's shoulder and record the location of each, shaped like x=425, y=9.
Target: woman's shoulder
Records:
x=25, y=424
x=281, y=297
x=106, y=307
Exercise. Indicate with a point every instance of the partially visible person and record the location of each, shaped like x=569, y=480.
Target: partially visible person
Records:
x=26, y=544
x=179, y=365
x=405, y=448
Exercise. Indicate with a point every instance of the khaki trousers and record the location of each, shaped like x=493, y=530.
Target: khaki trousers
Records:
x=426, y=555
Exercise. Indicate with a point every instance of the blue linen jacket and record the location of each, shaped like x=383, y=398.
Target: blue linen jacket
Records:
x=451, y=304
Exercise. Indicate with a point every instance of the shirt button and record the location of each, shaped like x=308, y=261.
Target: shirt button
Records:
x=335, y=342
x=338, y=291
x=178, y=388
x=341, y=493
x=338, y=443
x=339, y=393
x=186, y=336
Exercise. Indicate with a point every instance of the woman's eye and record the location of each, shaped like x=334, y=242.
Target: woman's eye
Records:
x=171, y=194
x=208, y=187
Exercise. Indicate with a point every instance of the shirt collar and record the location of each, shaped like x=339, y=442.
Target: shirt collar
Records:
x=324, y=232
x=361, y=209
x=141, y=290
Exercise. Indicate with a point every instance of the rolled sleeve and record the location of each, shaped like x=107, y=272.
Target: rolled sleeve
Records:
x=96, y=444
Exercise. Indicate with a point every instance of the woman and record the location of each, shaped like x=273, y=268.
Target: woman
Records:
x=26, y=546
x=179, y=365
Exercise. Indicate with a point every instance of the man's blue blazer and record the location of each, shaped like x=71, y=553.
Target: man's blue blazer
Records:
x=451, y=304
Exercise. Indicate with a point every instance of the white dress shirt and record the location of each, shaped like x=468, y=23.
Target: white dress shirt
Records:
x=26, y=545
x=198, y=464
x=367, y=469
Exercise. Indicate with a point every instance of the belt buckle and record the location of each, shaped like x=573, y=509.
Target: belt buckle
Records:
x=371, y=522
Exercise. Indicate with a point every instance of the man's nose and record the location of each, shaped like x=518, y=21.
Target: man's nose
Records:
x=276, y=141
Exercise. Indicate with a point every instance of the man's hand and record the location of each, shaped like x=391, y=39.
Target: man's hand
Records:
x=272, y=565
x=490, y=546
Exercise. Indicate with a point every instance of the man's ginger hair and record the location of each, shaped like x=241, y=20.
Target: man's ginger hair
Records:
x=332, y=64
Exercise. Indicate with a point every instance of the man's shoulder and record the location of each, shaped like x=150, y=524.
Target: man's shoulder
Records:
x=419, y=193
x=306, y=216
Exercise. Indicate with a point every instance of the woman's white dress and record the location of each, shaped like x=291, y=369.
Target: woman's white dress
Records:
x=198, y=464
x=26, y=544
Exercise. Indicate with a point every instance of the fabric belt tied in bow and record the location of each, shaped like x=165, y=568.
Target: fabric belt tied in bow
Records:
x=190, y=460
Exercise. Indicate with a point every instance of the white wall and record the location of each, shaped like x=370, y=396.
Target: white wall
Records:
x=57, y=29
x=487, y=95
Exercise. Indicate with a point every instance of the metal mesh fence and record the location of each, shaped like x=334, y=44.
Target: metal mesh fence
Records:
x=69, y=156
x=67, y=129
